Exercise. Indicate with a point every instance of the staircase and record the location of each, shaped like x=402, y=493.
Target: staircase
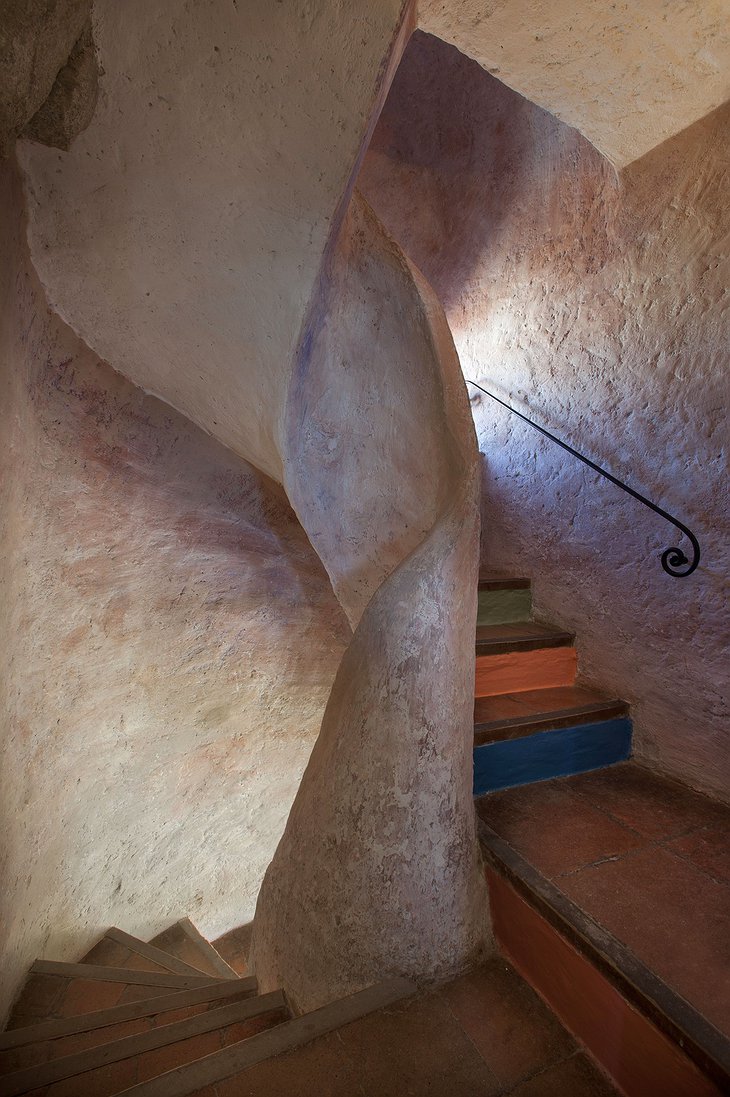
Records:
x=168, y=1017
x=531, y=722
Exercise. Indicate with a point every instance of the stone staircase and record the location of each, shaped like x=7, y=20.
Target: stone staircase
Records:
x=168, y=1017
x=531, y=721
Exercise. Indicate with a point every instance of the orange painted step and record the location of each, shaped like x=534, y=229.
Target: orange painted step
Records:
x=519, y=671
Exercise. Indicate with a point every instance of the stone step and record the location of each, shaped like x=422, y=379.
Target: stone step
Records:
x=154, y=1049
x=609, y=894
x=184, y=941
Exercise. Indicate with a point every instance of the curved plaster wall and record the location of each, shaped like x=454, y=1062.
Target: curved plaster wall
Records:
x=628, y=75
x=601, y=305
x=169, y=643
x=377, y=872
x=181, y=235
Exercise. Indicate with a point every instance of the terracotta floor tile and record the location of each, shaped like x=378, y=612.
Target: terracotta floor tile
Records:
x=97, y=1083
x=87, y=995
x=514, y=1032
x=554, y=829
x=321, y=1069
x=242, y=1030
x=80, y=1041
x=577, y=1077
x=654, y=806
x=234, y=947
x=39, y=998
x=162, y=1059
x=672, y=916
x=419, y=1049
x=135, y=993
x=708, y=849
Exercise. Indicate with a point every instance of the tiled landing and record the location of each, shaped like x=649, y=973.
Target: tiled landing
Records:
x=485, y=1034
x=640, y=857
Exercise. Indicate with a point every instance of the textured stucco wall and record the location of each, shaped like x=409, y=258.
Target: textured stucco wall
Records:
x=627, y=74
x=169, y=643
x=600, y=304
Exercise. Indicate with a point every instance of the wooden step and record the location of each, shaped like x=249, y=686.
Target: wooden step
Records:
x=513, y=715
x=141, y=1053
x=60, y=1027
x=520, y=671
x=493, y=581
x=519, y=636
x=119, y=949
x=184, y=941
x=641, y=988
x=96, y=972
x=232, y=1060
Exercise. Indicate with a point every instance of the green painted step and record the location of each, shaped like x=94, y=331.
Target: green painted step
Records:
x=504, y=602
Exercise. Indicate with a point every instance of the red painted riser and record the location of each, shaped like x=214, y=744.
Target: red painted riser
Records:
x=519, y=671
x=641, y=1059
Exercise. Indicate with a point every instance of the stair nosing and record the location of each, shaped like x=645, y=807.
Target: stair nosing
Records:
x=707, y=1047
x=70, y=1066
x=546, y=721
x=558, y=638
x=504, y=584
x=99, y=973
x=229, y=1061
x=87, y=1022
x=151, y=952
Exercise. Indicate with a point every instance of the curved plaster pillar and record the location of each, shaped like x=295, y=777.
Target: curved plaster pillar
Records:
x=377, y=872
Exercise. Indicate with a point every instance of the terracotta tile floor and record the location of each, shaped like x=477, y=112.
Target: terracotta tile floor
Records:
x=644, y=857
x=485, y=1034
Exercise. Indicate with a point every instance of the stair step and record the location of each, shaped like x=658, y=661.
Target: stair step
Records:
x=110, y=952
x=238, y=1057
x=235, y=947
x=520, y=671
x=606, y=896
x=542, y=755
x=269, y=1009
x=185, y=941
x=503, y=605
x=512, y=715
x=520, y=636
x=493, y=581
x=95, y=972
x=98, y=1019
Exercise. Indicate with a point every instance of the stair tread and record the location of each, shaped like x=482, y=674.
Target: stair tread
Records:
x=184, y=941
x=150, y=1039
x=495, y=581
x=511, y=715
x=519, y=636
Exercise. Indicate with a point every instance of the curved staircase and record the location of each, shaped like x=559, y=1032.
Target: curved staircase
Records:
x=171, y=1016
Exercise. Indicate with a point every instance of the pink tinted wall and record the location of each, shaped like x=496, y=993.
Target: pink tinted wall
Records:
x=597, y=304
x=169, y=642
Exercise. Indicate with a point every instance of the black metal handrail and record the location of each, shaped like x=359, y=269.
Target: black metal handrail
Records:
x=672, y=558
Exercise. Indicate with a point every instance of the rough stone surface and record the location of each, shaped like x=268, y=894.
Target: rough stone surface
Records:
x=628, y=75
x=377, y=872
x=209, y=180
x=599, y=306
x=169, y=643
x=36, y=39
x=70, y=107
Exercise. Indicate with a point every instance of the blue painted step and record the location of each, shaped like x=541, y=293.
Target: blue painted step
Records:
x=559, y=752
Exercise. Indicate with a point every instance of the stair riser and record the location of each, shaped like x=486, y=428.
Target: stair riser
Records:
x=634, y=1052
x=503, y=607
x=546, y=754
x=517, y=672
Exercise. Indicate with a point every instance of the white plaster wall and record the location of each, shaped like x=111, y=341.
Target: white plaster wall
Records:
x=169, y=643
x=628, y=75
x=600, y=306
x=182, y=233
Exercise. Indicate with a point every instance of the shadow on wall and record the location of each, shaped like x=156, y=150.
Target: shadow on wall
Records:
x=598, y=305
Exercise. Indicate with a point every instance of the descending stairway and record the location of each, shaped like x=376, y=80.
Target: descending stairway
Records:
x=165, y=1018
x=531, y=722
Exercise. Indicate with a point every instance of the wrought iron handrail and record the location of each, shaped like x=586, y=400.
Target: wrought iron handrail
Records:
x=672, y=558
